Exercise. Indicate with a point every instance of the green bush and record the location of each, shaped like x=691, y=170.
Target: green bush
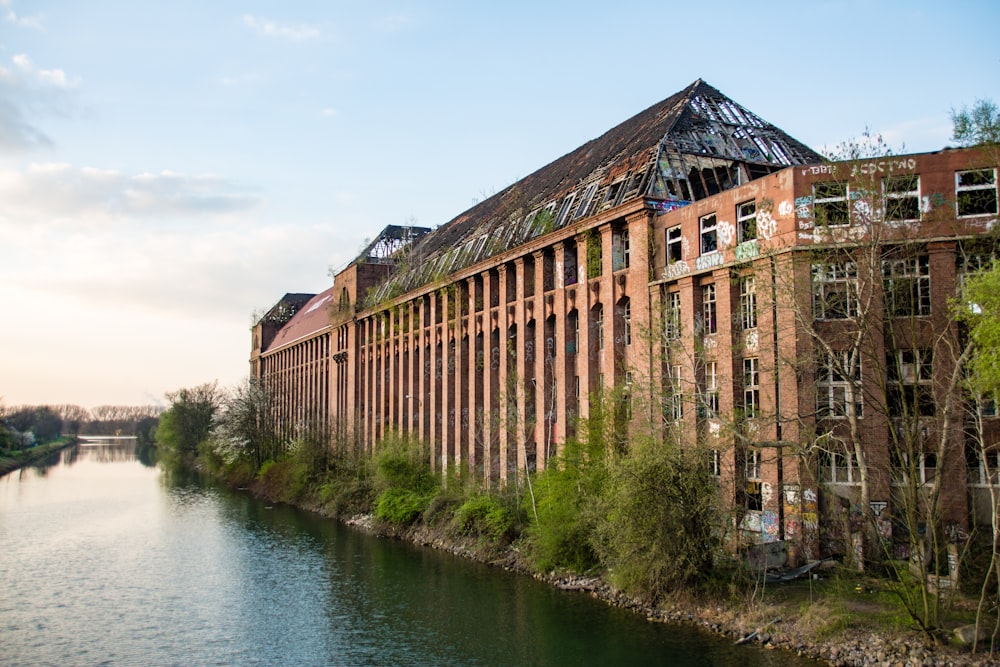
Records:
x=401, y=507
x=660, y=531
x=486, y=515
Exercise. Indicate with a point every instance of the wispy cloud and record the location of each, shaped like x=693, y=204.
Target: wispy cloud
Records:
x=295, y=32
x=328, y=112
x=28, y=92
x=34, y=22
x=51, y=77
x=61, y=194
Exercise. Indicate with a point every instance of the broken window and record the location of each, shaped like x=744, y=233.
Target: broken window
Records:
x=751, y=463
x=746, y=221
x=675, y=401
x=902, y=197
x=588, y=194
x=715, y=462
x=709, y=233
x=709, y=320
x=838, y=468
x=564, y=209
x=907, y=286
x=910, y=392
x=830, y=204
x=672, y=316
x=838, y=386
x=710, y=392
x=625, y=308
x=751, y=388
x=621, y=251
x=835, y=290
x=674, y=246
x=748, y=302
x=976, y=192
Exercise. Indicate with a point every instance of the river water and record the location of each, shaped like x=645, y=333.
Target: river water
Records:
x=106, y=560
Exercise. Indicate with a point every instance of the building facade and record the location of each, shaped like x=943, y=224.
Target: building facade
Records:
x=698, y=269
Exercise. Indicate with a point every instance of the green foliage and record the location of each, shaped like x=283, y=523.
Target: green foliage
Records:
x=245, y=427
x=978, y=126
x=660, y=532
x=42, y=422
x=486, y=515
x=188, y=421
x=980, y=309
x=405, y=483
x=564, y=504
x=401, y=507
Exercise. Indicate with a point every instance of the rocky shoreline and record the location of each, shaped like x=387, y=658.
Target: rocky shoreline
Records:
x=761, y=625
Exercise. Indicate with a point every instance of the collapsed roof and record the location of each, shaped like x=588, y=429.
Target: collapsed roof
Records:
x=692, y=145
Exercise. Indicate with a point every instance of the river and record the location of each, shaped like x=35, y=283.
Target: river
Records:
x=107, y=560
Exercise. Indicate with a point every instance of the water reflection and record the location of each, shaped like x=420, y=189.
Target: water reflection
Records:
x=110, y=562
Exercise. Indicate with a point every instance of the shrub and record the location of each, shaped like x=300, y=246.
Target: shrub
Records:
x=660, y=532
x=401, y=507
x=486, y=515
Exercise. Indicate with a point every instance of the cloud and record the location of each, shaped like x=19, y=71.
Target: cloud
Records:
x=33, y=22
x=28, y=92
x=64, y=195
x=296, y=32
x=55, y=78
x=328, y=112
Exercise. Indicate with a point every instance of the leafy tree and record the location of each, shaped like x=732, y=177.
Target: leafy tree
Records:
x=978, y=126
x=42, y=421
x=188, y=421
x=246, y=427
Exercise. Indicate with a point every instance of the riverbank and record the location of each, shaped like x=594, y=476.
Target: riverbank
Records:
x=832, y=615
x=16, y=459
x=836, y=618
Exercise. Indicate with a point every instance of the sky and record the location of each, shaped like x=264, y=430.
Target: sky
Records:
x=167, y=169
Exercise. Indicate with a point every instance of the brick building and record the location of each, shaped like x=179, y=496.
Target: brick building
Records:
x=695, y=263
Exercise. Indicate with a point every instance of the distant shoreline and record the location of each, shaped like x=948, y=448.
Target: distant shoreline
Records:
x=15, y=460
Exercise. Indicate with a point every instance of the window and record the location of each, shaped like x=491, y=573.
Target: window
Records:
x=838, y=386
x=674, y=245
x=746, y=221
x=588, y=194
x=715, y=462
x=709, y=319
x=751, y=388
x=748, y=302
x=709, y=234
x=902, y=197
x=675, y=403
x=924, y=466
x=751, y=463
x=982, y=472
x=835, y=290
x=839, y=468
x=976, y=192
x=599, y=326
x=907, y=286
x=710, y=391
x=626, y=310
x=564, y=209
x=621, y=251
x=830, y=204
x=910, y=391
x=672, y=316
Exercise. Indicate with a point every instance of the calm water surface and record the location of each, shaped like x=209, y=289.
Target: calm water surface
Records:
x=105, y=560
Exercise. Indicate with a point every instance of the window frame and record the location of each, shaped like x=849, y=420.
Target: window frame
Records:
x=913, y=271
x=675, y=247
x=890, y=195
x=710, y=390
x=751, y=387
x=672, y=316
x=826, y=279
x=963, y=192
x=833, y=386
x=832, y=202
x=746, y=221
x=748, y=302
x=708, y=228
x=709, y=309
